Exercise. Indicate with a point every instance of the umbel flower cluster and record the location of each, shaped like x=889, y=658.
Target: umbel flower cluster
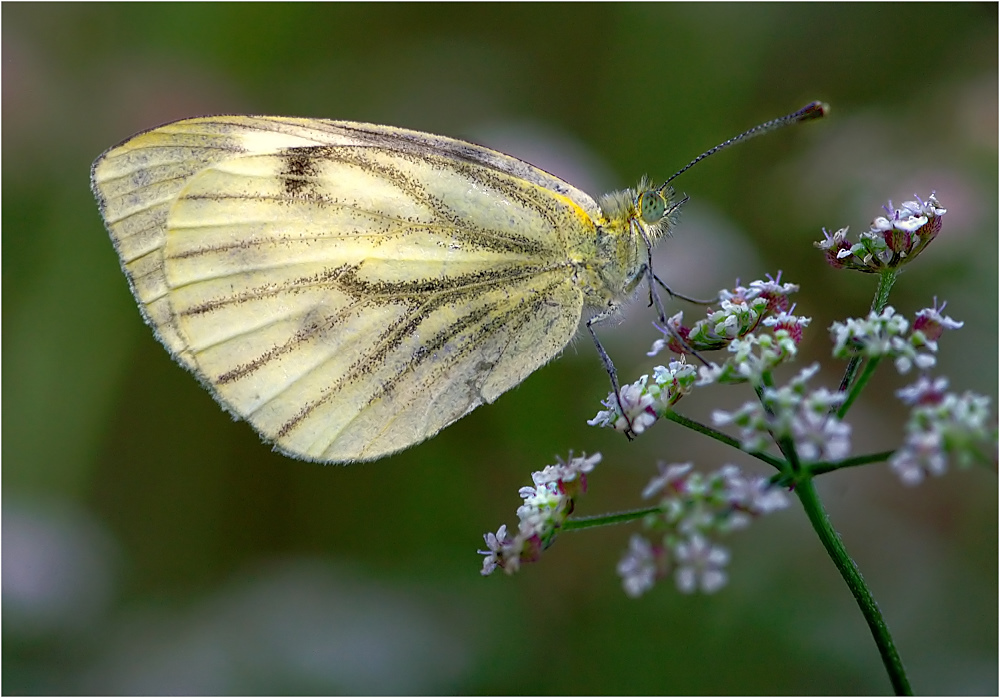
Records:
x=546, y=507
x=693, y=512
x=756, y=326
x=891, y=241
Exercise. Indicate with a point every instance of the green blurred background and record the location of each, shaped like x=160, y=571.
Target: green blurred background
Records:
x=152, y=545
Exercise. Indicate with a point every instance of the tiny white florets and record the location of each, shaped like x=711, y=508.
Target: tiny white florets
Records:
x=645, y=401
x=888, y=335
x=739, y=313
x=941, y=424
x=792, y=412
x=669, y=475
x=495, y=543
x=691, y=512
x=545, y=508
x=892, y=240
x=924, y=391
x=700, y=566
x=694, y=511
x=638, y=568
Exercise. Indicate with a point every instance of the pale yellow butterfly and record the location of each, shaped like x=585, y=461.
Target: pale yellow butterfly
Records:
x=351, y=289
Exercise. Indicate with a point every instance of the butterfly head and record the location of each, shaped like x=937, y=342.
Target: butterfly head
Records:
x=645, y=211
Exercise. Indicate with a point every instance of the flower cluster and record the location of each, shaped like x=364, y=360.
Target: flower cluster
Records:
x=693, y=511
x=740, y=311
x=757, y=354
x=755, y=323
x=546, y=507
x=931, y=324
x=940, y=424
x=645, y=402
x=791, y=412
x=888, y=335
x=891, y=241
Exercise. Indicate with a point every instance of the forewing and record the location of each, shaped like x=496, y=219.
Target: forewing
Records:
x=351, y=301
x=137, y=182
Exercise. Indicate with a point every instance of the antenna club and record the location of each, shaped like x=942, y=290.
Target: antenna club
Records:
x=813, y=110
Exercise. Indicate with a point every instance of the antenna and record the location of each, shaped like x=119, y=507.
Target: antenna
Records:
x=813, y=110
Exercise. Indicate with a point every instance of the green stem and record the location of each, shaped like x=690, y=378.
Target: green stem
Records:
x=790, y=466
x=885, y=281
x=806, y=492
x=820, y=468
x=791, y=480
x=725, y=438
x=858, y=386
x=578, y=523
x=850, y=372
x=787, y=447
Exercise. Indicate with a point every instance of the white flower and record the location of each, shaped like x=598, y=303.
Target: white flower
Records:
x=940, y=424
x=645, y=401
x=756, y=495
x=693, y=511
x=700, y=565
x=924, y=391
x=891, y=241
x=638, y=567
x=920, y=454
x=709, y=374
x=769, y=499
x=669, y=474
x=545, y=508
x=580, y=465
x=820, y=437
x=494, y=553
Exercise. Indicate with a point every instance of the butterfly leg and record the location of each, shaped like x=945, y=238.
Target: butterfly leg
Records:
x=674, y=294
x=663, y=320
x=609, y=366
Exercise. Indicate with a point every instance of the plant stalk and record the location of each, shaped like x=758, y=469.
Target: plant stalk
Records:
x=806, y=492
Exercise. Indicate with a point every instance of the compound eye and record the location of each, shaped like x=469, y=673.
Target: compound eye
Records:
x=652, y=207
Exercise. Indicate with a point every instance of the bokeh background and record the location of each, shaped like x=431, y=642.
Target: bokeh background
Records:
x=152, y=545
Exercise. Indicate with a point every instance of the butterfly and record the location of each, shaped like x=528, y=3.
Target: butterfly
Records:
x=351, y=289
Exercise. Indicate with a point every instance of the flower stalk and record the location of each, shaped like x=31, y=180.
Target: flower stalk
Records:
x=799, y=430
x=806, y=492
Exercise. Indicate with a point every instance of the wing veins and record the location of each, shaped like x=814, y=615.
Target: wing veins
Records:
x=404, y=327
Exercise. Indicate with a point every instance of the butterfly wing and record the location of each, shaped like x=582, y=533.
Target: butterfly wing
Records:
x=352, y=298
